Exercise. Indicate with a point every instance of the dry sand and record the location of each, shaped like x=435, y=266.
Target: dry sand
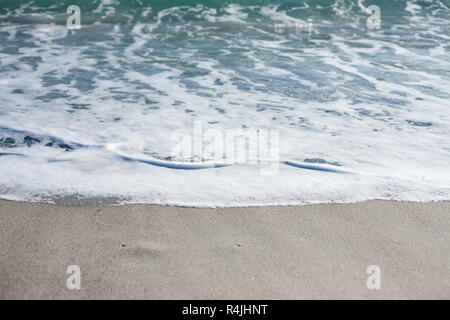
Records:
x=157, y=252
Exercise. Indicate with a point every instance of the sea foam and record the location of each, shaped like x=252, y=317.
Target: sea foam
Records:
x=361, y=114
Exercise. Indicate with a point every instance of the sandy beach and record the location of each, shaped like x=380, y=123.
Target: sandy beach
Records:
x=157, y=252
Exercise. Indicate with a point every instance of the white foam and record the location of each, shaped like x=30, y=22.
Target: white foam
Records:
x=337, y=144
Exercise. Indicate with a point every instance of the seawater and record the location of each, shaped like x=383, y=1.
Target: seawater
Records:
x=361, y=113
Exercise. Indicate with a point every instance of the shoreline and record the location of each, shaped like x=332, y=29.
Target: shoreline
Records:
x=76, y=201
x=138, y=251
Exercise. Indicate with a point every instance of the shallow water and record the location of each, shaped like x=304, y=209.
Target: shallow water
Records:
x=361, y=113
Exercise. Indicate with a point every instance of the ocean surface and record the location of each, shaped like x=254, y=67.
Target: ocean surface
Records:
x=360, y=113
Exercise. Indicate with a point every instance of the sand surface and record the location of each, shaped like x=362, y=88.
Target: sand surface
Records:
x=156, y=252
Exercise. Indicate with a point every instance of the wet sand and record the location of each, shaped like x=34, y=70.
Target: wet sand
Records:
x=157, y=252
